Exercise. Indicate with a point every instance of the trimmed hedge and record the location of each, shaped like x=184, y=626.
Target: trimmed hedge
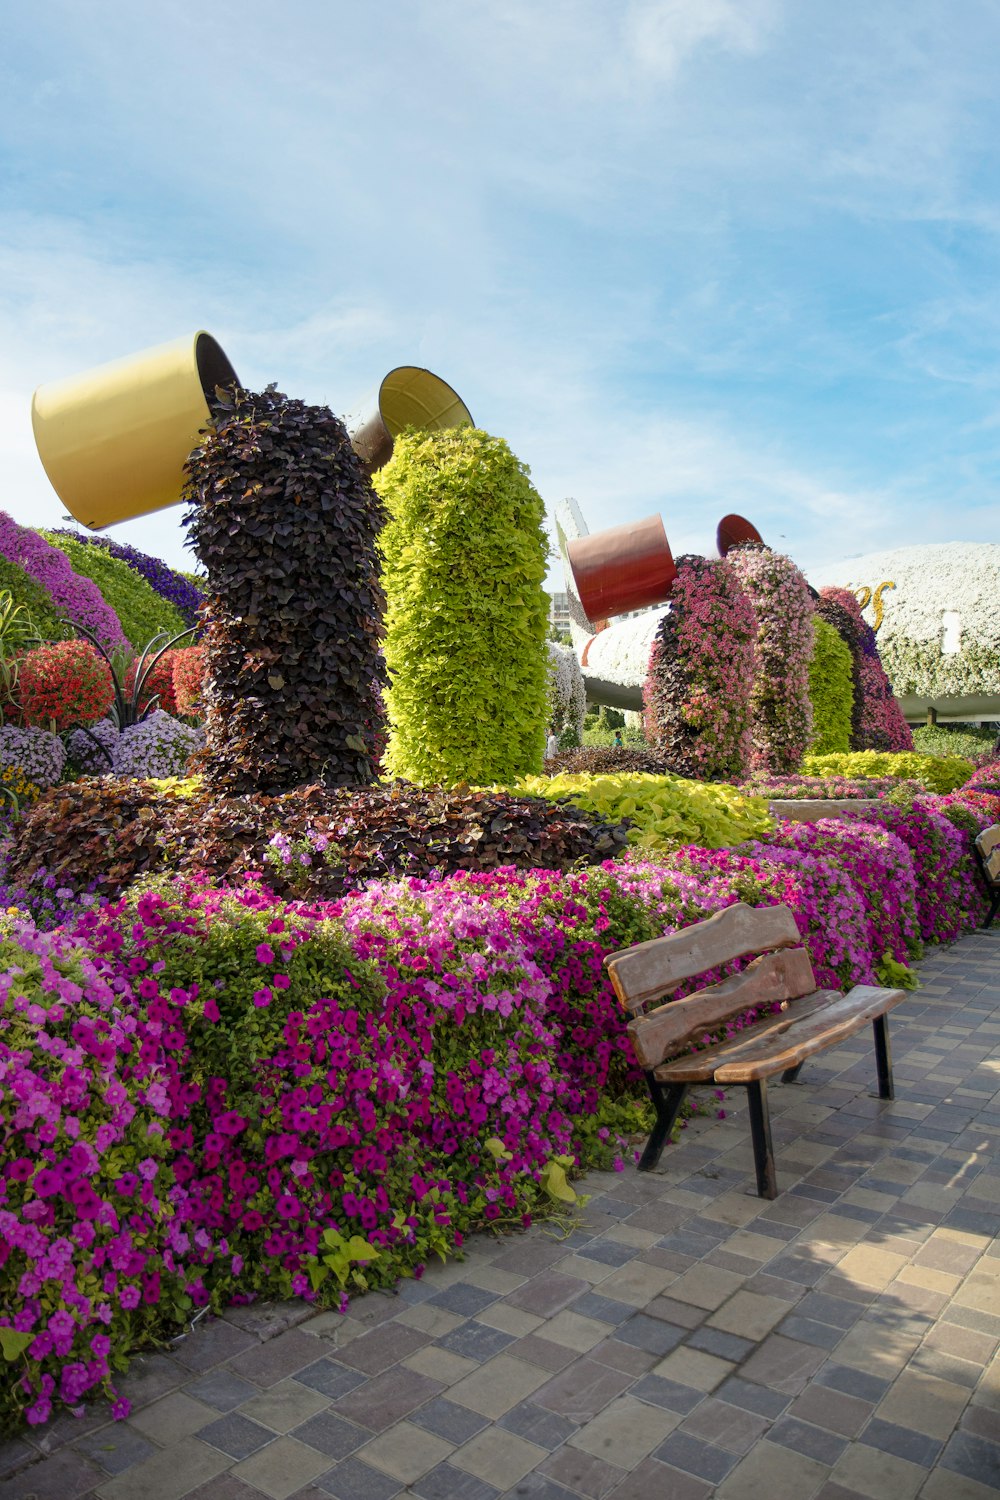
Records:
x=141, y=610
x=831, y=688
x=464, y=557
x=938, y=773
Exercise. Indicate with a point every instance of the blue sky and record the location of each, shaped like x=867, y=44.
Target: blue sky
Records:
x=691, y=256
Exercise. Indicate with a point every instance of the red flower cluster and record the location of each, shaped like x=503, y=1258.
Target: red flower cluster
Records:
x=64, y=683
x=188, y=666
x=159, y=683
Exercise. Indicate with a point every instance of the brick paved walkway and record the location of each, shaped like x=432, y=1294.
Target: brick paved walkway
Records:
x=688, y=1340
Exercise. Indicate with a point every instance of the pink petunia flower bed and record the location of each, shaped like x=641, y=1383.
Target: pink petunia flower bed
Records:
x=209, y=1095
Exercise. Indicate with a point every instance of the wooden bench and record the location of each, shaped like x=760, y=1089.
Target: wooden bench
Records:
x=988, y=857
x=810, y=1019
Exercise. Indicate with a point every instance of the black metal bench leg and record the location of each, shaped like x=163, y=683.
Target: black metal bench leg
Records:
x=667, y=1103
x=760, y=1131
x=883, y=1057
x=791, y=1074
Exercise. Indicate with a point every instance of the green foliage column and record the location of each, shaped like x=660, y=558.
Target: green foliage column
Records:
x=464, y=557
x=831, y=689
x=284, y=523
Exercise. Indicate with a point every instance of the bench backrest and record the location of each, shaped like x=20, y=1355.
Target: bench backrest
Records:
x=988, y=844
x=653, y=970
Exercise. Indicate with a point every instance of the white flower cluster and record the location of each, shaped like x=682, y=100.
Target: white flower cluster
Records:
x=567, y=694
x=940, y=630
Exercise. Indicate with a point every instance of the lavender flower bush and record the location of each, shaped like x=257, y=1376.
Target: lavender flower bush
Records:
x=88, y=756
x=41, y=756
x=158, y=746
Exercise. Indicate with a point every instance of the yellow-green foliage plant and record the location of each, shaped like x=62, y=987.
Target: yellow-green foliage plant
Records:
x=938, y=773
x=463, y=561
x=665, y=811
x=831, y=689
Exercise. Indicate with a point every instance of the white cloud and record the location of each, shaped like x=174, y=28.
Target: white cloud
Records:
x=661, y=35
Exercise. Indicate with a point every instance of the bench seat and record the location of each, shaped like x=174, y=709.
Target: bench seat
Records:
x=988, y=859
x=666, y=1038
x=777, y=1043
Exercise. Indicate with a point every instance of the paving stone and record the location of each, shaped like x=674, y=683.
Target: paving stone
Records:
x=974, y=1457
x=903, y=1442
x=498, y=1385
x=173, y=1417
x=382, y=1347
x=769, y=1470
x=628, y=1358
x=583, y=1390
x=221, y=1389
x=355, y=1480
x=543, y=1352
x=280, y=1357
x=448, y=1483
x=330, y=1378
x=653, y=1478
x=625, y=1431
x=694, y=1456
x=574, y=1330
x=659, y=1391
x=724, y=1345
x=582, y=1473
x=651, y=1334
x=498, y=1457
x=284, y=1466
x=331, y=1434
x=213, y=1342
x=725, y=1426
x=805, y=1437
x=832, y=1409
x=168, y=1475
x=534, y=1422
x=463, y=1298
x=406, y=1452
x=236, y=1435
x=387, y=1399
x=64, y=1476
x=852, y=1382
x=782, y=1364
x=548, y=1294
x=476, y=1341
x=604, y=1309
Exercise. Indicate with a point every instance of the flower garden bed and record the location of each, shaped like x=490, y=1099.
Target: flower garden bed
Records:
x=216, y=1093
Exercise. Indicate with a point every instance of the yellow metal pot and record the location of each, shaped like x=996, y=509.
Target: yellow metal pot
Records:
x=113, y=440
x=407, y=397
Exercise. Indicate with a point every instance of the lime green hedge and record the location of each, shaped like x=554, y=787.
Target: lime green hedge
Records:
x=32, y=597
x=967, y=740
x=831, y=690
x=142, y=611
x=938, y=773
x=667, y=811
x=464, y=557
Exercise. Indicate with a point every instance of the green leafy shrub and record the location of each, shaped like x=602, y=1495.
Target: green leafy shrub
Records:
x=284, y=523
x=31, y=596
x=665, y=811
x=113, y=830
x=141, y=610
x=831, y=688
x=964, y=739
x=464, y=559
x=937, y=773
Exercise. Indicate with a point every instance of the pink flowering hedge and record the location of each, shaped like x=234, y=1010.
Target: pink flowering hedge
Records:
x=696, y=698
x=781, y=712
x=211, y=1094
